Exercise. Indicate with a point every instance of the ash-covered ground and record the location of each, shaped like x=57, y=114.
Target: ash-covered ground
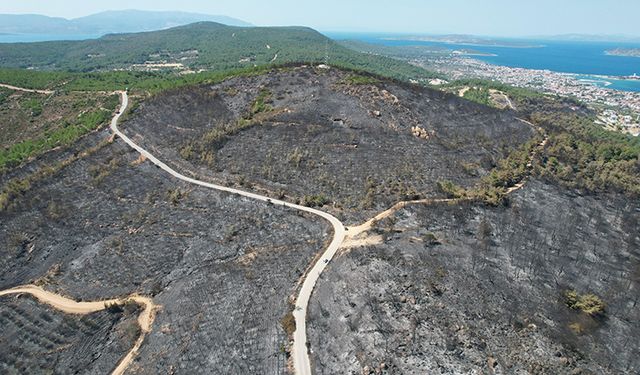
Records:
x=360, y=143
x=449, y=289
x=36, y=339
x=462, y=289
x=221, y=267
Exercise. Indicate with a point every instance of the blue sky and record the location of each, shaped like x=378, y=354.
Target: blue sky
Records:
x=480, y=17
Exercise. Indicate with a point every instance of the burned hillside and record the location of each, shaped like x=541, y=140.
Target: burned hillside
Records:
x=108, y=224
x=547, y=285
x=332, y=137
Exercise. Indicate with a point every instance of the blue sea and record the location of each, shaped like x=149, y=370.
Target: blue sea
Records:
x=584, y=58
x=28, y=38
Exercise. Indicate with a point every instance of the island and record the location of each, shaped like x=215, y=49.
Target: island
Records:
x=628, y=52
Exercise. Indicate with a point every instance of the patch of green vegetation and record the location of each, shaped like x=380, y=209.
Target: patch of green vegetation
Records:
x=451, y=189
x=260, y=103
x=580, y=154
x=589, y=304
x=64, y=136
x=219, y=49
x=288, y=323
x=34, y=106
x=478, y=95
x=4, y=94
x=175, y=196
x=430, y=239
x=314, y=200
x=359, y=79
x=33, y=79
x=508, y=173
x=515, y=93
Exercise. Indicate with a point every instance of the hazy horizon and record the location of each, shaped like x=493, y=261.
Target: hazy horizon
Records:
x=497, y=18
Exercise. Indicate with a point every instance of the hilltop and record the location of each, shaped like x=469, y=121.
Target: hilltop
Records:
x=200, y=46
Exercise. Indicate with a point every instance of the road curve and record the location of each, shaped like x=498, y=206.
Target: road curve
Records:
x=59, y=302
x=69, y=306
x=300, y=353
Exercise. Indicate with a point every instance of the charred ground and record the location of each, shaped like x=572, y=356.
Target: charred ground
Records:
x=467, y=288
x=355, y=143
x=107, y=224
x=447, y=288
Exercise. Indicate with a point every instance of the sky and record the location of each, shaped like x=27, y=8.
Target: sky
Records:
x=513, y=18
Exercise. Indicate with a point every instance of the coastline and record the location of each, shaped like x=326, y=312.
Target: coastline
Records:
x=463, y=43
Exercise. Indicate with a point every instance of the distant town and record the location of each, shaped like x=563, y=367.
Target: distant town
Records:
x=618, y=110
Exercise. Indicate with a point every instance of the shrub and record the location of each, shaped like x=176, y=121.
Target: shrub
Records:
x=114, y=308
x=590, y=304
x=260, y=104
x=430, y=239
x=175, y=196
x=451, y=190
x=288, y=323
x=314, y=200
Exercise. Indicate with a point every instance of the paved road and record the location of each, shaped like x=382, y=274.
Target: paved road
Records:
x=48, y=92
x=301, y=362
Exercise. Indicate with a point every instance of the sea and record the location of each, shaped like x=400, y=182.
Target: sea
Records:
x=29, y=38
x=585, y=59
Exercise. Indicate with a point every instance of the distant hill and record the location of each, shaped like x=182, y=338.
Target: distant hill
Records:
x=122, y=21
x=200, y=46
x=590, y=38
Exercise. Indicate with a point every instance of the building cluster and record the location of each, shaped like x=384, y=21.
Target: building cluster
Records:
x=622, y=108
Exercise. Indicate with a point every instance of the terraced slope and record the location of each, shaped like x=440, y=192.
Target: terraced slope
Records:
x=38, y=339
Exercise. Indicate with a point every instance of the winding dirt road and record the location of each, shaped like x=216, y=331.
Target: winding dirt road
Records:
x=300, y=354
x=69, y=306
x=46, y=92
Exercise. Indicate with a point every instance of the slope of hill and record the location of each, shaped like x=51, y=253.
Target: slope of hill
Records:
x=460, y=287
x=106, y=22
x=204, y=45
x=223, y=267
x=358, y=142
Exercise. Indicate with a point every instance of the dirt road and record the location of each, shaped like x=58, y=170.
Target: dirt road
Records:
x=47, y=92
x=69, y=306
x=300, y=355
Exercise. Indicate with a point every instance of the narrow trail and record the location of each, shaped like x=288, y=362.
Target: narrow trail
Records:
x=69, y=306
x=355, y=235
x=505, y=97
x=46, y=92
